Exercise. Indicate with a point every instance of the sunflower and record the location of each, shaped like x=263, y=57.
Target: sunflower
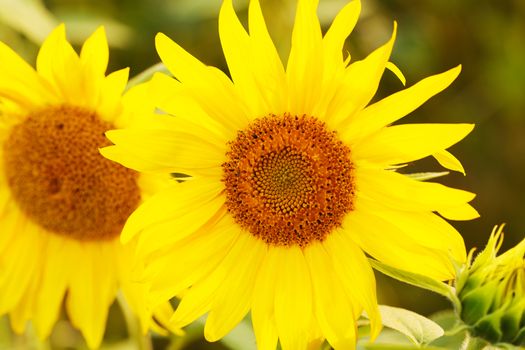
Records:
x=491, y=289
x=292, y=180
x=63, y=205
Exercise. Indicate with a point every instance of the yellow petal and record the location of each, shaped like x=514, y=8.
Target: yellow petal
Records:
x=53, y=286
x=208, y=86
x=171, y=203
x=11, y=220
x=396, y=106
x=94, y=58
x=24, y=310
x=196, y=301
x=333, y=309
x=171, y=97
x=304, y=69
x=336, y=35
x=58, y=62
x=390, y=245
x=438, y=233
x=138, y=102
x=20, y=83
x=355, y=273
x=409, y=142
x=331, y=65
x=263, y=318
x=236, y=46
x=360, y=84
x=460, y=212
x=293, y=298
x=268, y=69
x=47, y=50
x=399, y=192
x=397, y=72
x=159, y=324
x=119, y=155
x=80, y=295
x=171, y=231
x=11, y=61
x=169, y=150
x=447, y=160
x=109, y=106
x=19, y=263
x=133, y=293
x=95, y=53
x=92, y=290
x=190, y=260
x=180, y=63
x=233, y=299
x=203, y=295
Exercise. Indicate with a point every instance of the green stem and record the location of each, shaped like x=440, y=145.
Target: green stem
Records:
x=6, y=341
x=143, y=341
x=26, y=340
x=326, y=346
x=473, y=343
x=146, y=74
x=192, y=333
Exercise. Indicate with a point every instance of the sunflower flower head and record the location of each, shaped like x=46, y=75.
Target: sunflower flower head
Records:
x=63, y=205
x=492, y=293
x=292, y=179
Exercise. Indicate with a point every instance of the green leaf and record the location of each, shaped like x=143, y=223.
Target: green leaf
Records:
x=241, y=337
x=455, y=330
x=427, y=175
x=28, y=17
x=375, y=346
x=450, y=322
x=417, y=328
x=5, y=333
x=418, y=280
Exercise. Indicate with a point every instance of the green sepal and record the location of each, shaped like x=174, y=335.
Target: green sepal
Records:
x=510, y=321
x=427, y=175
x=489, y=327
x=418, y=280
x=477, y=302
x=472, y=283
x=520, y=338
x=147, y=74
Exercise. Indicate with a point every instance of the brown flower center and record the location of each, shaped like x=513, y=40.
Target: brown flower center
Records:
x=289, y=181
x=60, y=181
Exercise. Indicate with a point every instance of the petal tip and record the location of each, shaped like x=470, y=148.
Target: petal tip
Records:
x=469, y=127
x=111, y=135
x=109, y=152
x=209, y=333
x=454, y=72
x=161, y=39
x=101, y=30
x=129, y=230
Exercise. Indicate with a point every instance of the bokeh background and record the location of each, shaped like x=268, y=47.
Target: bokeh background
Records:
x=486, y=36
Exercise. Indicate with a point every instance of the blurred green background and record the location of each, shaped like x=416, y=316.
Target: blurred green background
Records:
x=486, y=36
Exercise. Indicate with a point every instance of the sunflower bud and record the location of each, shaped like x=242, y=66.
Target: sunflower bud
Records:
x=492, y=293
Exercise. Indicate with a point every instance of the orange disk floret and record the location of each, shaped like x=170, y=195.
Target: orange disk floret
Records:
x=59, y=180
x=289, y=181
